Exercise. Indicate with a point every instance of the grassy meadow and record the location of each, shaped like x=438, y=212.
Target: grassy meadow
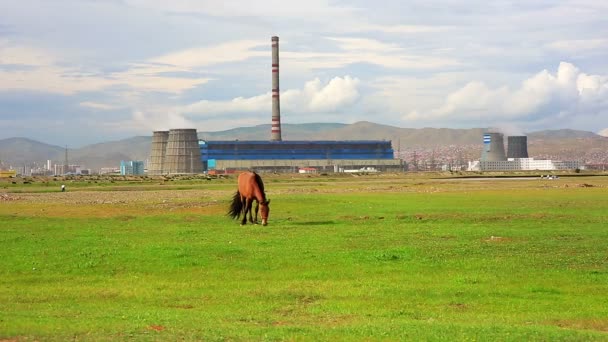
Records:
x=371, y=257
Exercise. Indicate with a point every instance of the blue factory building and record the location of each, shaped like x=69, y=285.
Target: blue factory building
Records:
x=287, y=155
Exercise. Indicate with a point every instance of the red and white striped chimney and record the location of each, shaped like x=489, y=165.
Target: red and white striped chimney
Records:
x=275, y=133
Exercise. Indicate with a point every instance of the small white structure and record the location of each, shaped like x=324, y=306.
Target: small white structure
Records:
x=307, y=170
x=367, y=169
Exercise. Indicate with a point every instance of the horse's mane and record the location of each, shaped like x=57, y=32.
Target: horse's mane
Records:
x=258, y=180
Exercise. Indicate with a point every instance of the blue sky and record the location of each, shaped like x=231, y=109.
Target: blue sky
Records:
x=80, y=72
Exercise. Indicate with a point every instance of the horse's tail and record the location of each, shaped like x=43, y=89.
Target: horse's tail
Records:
x=236, y=206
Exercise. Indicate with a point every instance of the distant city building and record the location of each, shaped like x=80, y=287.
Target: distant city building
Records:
x=131, y=167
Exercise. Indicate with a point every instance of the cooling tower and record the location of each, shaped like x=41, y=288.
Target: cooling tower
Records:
x=493, y=147
x=183, y=153
x=157, y=155
x=517, y=147
x=275, y=133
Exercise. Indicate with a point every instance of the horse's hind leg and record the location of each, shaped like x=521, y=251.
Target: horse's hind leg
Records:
x=243, y=209
x=247, y=208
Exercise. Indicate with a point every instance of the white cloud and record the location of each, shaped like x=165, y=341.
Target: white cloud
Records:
x=366, y=51
x=365, y=44
x=223, y=53
x=315, y=97
x=236, y=8
x=143, y=121
x=567, y=93
x=236, y=105
x=404, y=29
x=67, y=81
x=98, y=106
x=44, y=73
x=24, y=55
x=578, y=45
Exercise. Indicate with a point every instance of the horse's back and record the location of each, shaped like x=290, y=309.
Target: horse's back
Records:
x=246, y=177
x=246, y=182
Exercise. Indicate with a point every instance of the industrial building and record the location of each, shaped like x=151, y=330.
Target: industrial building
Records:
x=289, y=156
x=493, y=156
x=173, y=152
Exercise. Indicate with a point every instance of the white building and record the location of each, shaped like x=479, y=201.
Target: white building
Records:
x=518, y=164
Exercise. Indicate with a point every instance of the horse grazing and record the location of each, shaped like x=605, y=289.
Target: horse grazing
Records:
x=251, y=188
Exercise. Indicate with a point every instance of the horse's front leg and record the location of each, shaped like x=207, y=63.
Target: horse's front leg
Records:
x=257, y=208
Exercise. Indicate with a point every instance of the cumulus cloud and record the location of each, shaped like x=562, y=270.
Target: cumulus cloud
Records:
x=566, y=93
x=314, y=97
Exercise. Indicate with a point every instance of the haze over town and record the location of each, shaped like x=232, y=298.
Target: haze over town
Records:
x=80, y=72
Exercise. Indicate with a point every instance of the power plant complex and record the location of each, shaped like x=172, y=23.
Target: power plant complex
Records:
x=493, y=157
x=179, y=151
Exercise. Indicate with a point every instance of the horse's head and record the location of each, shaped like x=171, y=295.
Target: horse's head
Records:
x=264, y=211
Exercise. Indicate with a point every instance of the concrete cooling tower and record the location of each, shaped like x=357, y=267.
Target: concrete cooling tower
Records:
x=517, y=147
x=183, y=154
x=157, y=155
x=493, y=147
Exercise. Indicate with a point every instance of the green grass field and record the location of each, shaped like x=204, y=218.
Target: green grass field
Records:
x=378, y=257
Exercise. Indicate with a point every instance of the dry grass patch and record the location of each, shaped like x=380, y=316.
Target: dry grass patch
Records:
x=583, y=324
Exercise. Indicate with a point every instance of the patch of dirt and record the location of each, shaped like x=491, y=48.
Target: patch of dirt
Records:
x=183, y=306
x=596, y=324
x=126, y=205
x=8, y=197
x=156, y=327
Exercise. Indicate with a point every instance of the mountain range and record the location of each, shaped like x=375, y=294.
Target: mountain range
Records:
x=564, y=144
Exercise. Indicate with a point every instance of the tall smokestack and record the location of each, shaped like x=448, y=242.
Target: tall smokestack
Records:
x=275, y=133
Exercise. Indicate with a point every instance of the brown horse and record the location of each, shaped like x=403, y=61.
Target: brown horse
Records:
x=251, y=188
